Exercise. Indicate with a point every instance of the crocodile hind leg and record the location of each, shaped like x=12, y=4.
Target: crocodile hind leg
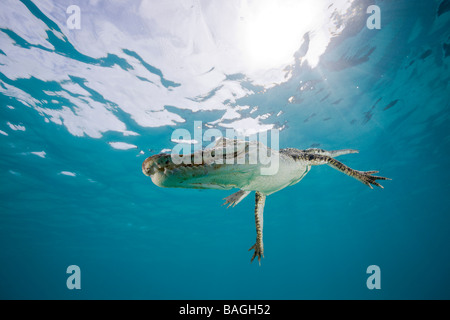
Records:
x=260, y=200
x=365, y=177
x=235, y=198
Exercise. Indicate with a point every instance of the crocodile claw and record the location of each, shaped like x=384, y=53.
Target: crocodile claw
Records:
x=258, y=253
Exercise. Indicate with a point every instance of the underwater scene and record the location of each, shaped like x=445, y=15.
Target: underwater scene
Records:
x=97, y=96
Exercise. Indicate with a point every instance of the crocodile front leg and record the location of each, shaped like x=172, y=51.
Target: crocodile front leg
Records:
x=235, y=198
x=260, y=200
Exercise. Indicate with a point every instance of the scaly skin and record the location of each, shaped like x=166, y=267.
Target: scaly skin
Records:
x=204, y=170
x=260, y=200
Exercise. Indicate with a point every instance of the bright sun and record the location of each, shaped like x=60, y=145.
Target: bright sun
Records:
x=275, y=30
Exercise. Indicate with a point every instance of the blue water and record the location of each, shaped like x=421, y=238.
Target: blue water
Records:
x=70, y=196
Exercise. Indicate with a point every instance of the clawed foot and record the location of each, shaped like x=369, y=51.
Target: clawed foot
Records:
x=259, y=251
x=230, y=201
x=235, y=198
x=367, y=178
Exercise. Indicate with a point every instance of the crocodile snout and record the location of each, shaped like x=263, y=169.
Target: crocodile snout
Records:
x=148, y=165
x=157, y=162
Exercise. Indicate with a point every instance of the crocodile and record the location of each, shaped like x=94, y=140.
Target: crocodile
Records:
x=230, y=163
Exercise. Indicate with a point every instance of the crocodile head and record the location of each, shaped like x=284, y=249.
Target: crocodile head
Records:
x=229, y=164
x=167, y=171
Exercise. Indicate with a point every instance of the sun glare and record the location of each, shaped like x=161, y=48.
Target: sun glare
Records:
x=274, y=32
